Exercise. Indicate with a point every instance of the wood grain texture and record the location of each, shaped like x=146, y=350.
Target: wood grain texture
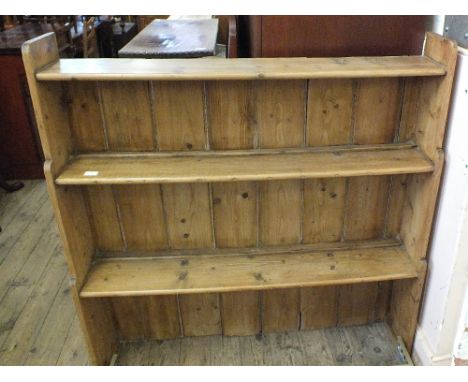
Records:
x=324, y=207
x=319, y=307
x=397, y=195
x=239, y=69
x=281, y=310
x=188, y=215
x=104, y=218
x=240, y=312
x=231, y=114
x=377, y=104
x=235, y=214
x=200, y=314
x=280, y=212
x=179, y=115
x=329, y=112
x=356, y=303
x=250, y=269
x=151, y=317
x=230, y=167
x=142, y=216
x=280, y=109
x=87, y=125
x=127, y=114
x=366, y=207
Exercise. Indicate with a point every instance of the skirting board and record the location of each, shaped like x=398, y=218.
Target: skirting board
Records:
x=423, y=354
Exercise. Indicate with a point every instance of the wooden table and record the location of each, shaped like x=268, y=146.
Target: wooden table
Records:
x=174, y=38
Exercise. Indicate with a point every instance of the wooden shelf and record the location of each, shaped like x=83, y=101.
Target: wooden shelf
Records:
x=238, y=69
x=243, y=165
x=255, y=269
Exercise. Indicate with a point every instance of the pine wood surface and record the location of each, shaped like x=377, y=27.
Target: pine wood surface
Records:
x=125, y=69
x=219, y=168
x=250, y=162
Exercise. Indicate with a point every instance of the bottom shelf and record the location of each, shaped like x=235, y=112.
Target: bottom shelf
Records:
x=249, y=269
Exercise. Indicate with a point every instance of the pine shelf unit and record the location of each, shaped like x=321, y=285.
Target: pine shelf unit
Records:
x=209, y=196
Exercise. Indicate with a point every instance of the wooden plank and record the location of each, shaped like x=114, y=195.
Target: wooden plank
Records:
x=231, y=114
x=104, y=218
x=240, y=312
x=142, y=217
x=356, y=303
x=213, y=167
x=127, y=114
x=280, y=212
x=179, y=115
x=377, y=110
x=235, y=214
x=280, y=113
x=87, y=125
x=329, y=112
x=162, y=316
x=324, y=207
x=430, y=103
x=246, y=270
x=319, y=307
x=147, y=317
x=281, y=310
x=366, y=207
x=239, y=69
x=200, y=314
x=397, y=196
x=188, y=215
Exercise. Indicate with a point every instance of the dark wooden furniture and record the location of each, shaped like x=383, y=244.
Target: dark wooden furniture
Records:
x=20, y=153
x=173, y=38
x=330, y=36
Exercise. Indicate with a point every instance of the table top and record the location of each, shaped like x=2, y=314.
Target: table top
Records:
x=174, y=38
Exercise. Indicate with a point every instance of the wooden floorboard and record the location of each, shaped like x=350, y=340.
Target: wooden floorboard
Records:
x=38, y=323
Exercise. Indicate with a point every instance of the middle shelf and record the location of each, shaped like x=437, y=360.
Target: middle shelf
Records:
x=214, y=270
x=237, y=165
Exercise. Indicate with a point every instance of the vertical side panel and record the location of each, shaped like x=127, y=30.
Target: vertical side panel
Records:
x=230, y=114
x=319, y=307
x=188, y=215
x=142, y=216
x=430, y=103
x=200, y=314
x=281, y=120
x=87, y=125
x=127, y=114
x=240, y=312
x=105, y=219
x=179, y=115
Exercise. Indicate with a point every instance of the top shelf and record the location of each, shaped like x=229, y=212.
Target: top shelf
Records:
x=111, y=69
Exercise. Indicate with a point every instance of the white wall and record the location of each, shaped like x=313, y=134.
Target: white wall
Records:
x=442, y=318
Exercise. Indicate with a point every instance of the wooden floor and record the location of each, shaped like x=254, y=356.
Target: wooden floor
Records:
x=38, y=324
